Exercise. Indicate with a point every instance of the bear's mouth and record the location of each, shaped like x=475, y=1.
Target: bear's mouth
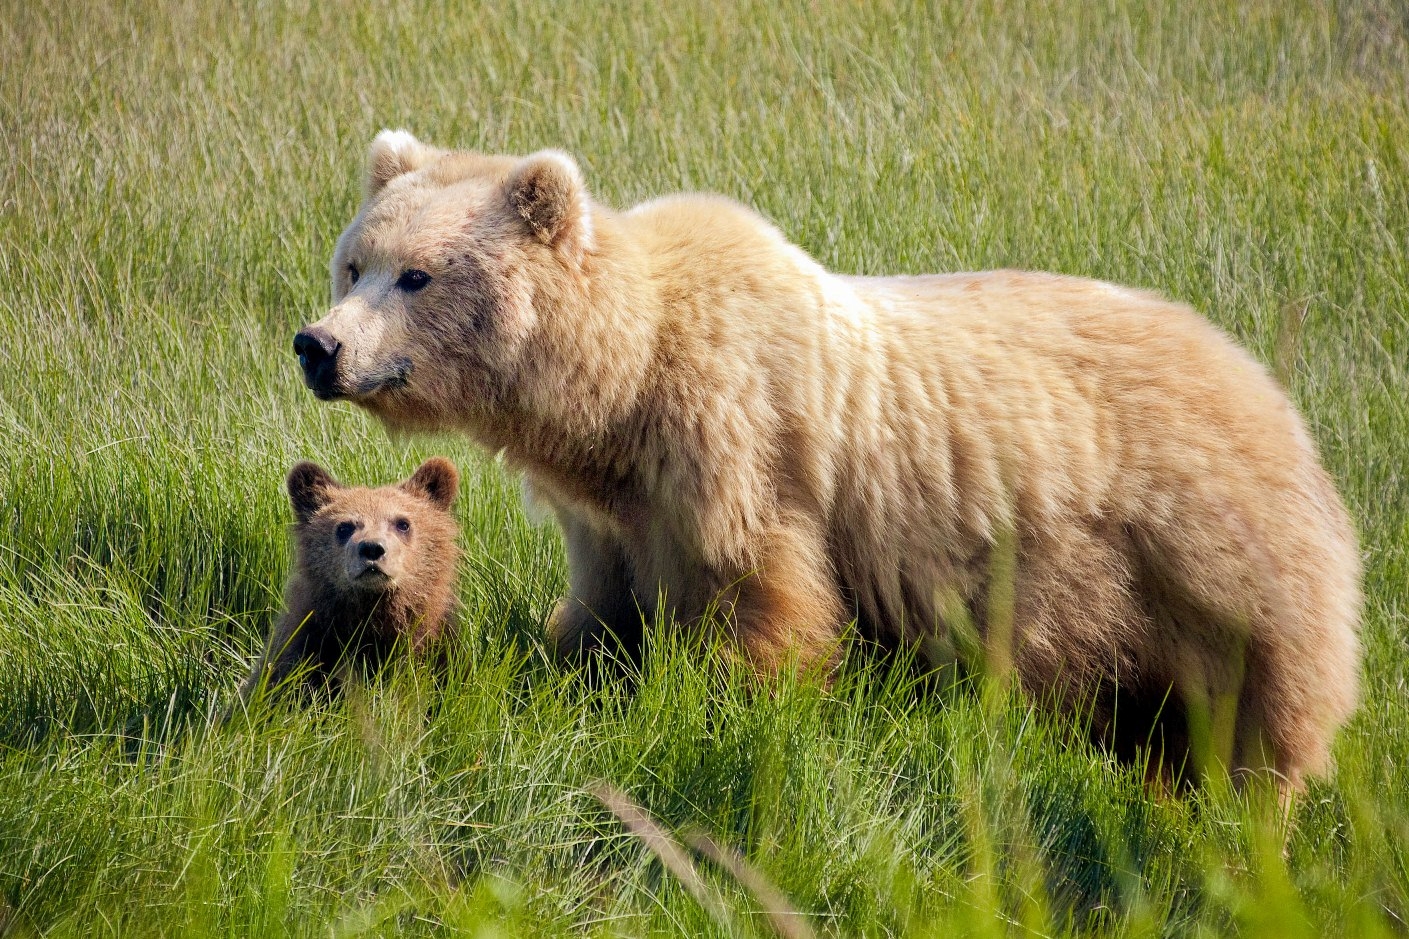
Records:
x=372, y=578
x=394, y=375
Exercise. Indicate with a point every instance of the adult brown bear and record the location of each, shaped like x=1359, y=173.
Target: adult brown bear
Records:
x=716, y=420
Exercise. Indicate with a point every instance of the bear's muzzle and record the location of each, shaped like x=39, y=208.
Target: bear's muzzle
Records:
x=317, y=353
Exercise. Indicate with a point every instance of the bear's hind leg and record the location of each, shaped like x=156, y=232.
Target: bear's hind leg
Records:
x=1262, y=634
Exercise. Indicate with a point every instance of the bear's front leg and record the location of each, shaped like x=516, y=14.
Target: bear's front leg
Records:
x=285, y=651
x=789, y=612
x=600, y=610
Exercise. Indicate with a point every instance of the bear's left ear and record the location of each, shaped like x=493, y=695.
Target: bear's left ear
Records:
x=394, y=153
x=547, y=192
x=436, y=481
x=310, y=488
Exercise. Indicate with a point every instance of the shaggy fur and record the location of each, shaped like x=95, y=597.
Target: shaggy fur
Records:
x=374, y=567
x=715, y=419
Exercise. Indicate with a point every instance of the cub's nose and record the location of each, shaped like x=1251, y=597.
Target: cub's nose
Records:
x=317, y=353
x=371, y=550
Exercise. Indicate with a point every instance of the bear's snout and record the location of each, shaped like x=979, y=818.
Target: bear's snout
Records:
x=317, y=353
x=371, y=566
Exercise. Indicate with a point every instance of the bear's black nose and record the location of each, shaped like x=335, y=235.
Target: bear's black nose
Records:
x=371, y=550
x=317, y=353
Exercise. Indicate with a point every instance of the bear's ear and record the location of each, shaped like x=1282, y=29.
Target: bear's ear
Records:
x=547, y=192
x=310, y=488
x=394, y=152
x=436, y=481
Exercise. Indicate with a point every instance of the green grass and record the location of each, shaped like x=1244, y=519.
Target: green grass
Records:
x=172, y=178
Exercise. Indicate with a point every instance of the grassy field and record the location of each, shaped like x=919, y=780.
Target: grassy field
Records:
x=172, y=178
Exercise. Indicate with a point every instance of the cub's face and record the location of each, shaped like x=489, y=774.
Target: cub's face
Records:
x=441, y=281
x=356, y=540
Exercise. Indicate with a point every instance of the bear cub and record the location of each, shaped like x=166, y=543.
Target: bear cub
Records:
x=374, y=567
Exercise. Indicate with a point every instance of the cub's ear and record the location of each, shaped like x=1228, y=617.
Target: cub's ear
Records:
x=547, y=191
x=436, y=481
x=310, y=488
x=394, y=152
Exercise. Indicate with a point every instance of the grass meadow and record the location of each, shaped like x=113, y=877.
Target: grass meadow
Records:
x=172, y=178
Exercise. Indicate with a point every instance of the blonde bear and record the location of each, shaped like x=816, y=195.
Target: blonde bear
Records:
x=720, y=424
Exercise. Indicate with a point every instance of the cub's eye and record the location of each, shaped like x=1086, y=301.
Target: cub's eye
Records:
x=413, y=280
x=344, y=531
x=353, y=273
x=403, y=525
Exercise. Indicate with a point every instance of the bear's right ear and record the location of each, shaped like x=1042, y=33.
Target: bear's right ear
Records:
x=436, y=480
x=547, y=192
x=393, y=153
x=310, y=488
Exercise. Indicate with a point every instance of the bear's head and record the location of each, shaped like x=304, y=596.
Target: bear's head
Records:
x=354, y=541
x=442, y=282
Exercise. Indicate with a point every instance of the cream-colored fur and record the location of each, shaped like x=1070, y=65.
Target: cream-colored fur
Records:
x=715, y=419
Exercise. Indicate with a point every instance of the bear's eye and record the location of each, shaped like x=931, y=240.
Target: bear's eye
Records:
x=344, y=531
x=413, y=280
x=403, y=525
x=353, y=273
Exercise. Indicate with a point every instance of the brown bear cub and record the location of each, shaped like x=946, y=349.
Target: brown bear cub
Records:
x=375, y=567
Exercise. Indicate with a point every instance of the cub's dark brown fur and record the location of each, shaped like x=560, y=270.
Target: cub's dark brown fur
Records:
x=373, y=567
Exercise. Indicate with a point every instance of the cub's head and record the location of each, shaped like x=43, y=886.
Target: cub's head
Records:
x=442, y=281
x=354, y=540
